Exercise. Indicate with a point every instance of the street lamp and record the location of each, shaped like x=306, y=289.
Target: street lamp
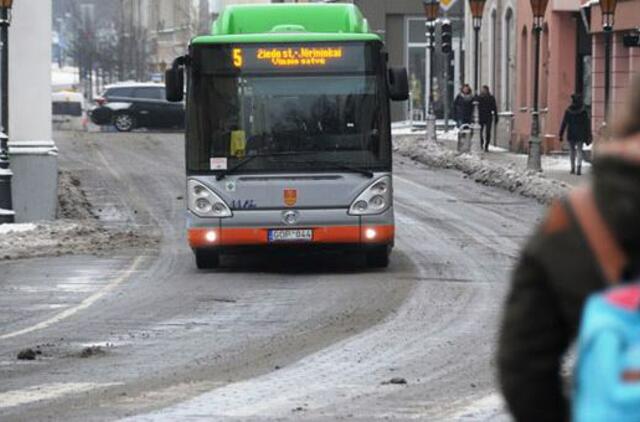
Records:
x=534, y=161
x=477, y=9
x=6, y=207
x=608, y=9
x=431, y=11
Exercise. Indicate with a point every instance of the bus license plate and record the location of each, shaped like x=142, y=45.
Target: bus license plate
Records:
x=300, y=235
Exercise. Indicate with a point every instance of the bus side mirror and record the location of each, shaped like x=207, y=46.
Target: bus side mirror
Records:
x=398, y=84
x=174, y=81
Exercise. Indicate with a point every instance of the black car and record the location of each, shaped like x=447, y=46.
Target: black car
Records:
x=128, y=106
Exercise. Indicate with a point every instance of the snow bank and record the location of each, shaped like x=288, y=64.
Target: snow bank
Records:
x=77, y=231
x=508, y=176
x=65, y=237
x=16, y=228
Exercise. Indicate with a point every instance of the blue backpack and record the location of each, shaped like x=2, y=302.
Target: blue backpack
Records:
x=607, y=373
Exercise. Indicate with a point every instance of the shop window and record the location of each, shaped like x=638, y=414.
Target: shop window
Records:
x=417, y=31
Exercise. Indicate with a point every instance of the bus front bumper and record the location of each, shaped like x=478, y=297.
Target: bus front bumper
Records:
x=322, y=237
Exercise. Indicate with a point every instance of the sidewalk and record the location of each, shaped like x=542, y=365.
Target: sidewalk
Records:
x=497, y=167
x=556, y=166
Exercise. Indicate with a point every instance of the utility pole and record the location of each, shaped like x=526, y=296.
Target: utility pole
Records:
x=7, y=215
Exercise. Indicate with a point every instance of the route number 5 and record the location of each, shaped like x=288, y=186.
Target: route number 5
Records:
x=237, y=57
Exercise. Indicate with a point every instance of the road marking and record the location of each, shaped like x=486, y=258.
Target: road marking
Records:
x=411, y=182
x=82, y=305
x=46, y=392
x=487, y=408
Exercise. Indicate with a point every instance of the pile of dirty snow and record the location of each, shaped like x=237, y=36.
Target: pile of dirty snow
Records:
x=525, y=182
x=72, y=201
x=64, y=237
x=77, y=230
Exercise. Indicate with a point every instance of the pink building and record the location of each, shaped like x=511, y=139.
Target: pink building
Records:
x=571, y=60
x=562, y=69
x=625, y=61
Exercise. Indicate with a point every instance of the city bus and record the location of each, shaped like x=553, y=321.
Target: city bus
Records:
x=288, y=138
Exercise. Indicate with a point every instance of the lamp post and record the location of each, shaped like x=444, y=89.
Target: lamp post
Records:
x=6, y=207
x=534, y=161
x=608, y=9
x=431, y=11
x=477, y=9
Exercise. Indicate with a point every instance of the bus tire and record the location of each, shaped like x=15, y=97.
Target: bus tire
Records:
x=378, y=258
x=124, y=122
x=206, y=260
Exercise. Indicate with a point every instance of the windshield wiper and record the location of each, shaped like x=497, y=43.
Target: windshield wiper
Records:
x=352, y=169
x=250, y=158
x=342, y=166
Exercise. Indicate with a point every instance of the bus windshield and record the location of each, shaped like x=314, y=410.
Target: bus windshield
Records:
x=287, y=122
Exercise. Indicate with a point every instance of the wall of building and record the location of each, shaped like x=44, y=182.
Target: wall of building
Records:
x=391, y=19
x=557, y=82
x=497, y=65
x=625, y=62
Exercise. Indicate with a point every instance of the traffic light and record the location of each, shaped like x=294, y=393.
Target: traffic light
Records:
x=445, y=31
x=431, y=34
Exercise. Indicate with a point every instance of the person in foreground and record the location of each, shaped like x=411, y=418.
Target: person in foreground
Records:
x=557, y=271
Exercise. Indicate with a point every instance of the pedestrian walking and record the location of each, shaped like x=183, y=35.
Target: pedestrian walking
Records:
x=576, y=121
x=463, y=106
x=558, y=270
x=488, y=110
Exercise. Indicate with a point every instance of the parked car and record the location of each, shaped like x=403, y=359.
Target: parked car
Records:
x=128, y=106
x=68, y=111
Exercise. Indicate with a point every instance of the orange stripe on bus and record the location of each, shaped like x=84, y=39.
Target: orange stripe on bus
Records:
x=233, y=236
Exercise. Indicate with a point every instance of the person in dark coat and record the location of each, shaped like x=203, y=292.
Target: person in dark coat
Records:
x=557, y=271
x=576, y=120
x=463, y=106
x=488, y=110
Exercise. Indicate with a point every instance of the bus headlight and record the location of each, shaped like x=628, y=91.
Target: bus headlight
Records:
x=203, y=205
x=203, y=202
x=375, y=199
x=377, y=202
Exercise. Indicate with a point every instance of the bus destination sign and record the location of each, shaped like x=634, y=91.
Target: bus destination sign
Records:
x=287, y=57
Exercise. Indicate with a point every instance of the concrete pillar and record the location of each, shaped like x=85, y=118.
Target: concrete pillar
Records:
x=32, y=150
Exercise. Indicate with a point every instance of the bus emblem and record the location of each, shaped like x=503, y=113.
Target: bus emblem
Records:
x=290, y=197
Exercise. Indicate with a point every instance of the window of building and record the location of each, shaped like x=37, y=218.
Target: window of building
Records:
x=524, y=67
x=507, y=60
x=416, y=66
x=583, y=61
x=494, y=51
x=544, y=68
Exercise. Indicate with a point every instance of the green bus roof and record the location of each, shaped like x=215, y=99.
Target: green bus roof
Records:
x=289, y=23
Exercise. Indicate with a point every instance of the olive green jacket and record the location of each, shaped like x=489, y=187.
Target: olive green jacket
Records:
x=555, y=274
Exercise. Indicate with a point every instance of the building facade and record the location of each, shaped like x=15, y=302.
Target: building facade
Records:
x=170, y=25
x=496, y=57
x=625, y=61
x=571, y=61
x=401, y=23
x=565, y=68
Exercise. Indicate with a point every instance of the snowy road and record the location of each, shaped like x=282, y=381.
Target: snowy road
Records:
x=292, y=338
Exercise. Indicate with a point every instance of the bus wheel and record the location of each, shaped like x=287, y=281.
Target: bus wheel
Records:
x=124, y=122
x=378, y=258
x=207, y=259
